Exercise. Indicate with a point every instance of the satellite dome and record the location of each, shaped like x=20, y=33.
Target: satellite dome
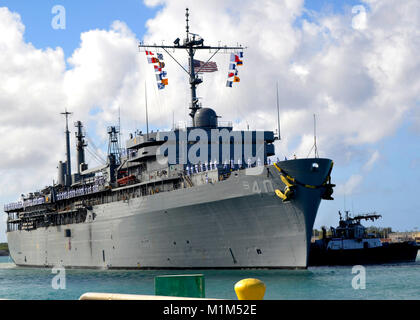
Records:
x=206, y=118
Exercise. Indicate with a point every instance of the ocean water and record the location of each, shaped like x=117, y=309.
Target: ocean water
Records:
x=393, y=281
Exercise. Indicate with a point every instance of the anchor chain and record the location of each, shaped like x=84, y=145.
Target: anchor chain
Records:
x=290, y=182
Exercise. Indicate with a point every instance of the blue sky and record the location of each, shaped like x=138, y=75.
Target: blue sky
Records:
x=81, y=16
x=389, y=187
x=337, y=6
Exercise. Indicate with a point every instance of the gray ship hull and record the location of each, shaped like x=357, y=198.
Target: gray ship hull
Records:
x=235, y=223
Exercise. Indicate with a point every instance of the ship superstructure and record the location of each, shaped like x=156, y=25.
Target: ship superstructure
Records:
x=201, y=196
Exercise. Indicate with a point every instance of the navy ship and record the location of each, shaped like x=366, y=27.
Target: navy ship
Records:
x=350, y=244
x=200, y=196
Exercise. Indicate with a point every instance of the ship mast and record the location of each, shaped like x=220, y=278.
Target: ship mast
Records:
x=278, y=113
x=68, y=168
x=80, y=146
x=192, y=43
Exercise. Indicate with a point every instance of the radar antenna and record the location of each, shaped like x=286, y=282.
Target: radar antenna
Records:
x=114, y=155
x=192, y=43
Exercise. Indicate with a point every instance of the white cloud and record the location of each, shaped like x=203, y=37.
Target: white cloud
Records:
x=301, y=71
x=350, y=186
x=372, y=160
x=30, y=97
x=355, y=180
x=354, y=79
x=359, y=21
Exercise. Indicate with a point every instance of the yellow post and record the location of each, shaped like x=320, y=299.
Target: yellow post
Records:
x=250, y=289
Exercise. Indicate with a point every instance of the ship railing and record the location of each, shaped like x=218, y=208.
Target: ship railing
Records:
x=13, y=206
x=198, y=168
x=34, y=202
x=99, y=183
x=225, y=124
x=182, y=125
x=225, y=167
x=24, y=204
x=73, y=193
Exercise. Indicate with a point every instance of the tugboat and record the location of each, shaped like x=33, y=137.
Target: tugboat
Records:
x=350, y=244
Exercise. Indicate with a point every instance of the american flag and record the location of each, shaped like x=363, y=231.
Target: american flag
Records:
x=200, y=66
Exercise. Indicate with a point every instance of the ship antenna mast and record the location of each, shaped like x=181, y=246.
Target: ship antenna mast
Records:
x=113, y=144
x=68, y=175
x=278, y=113
x=188, y=27
x=80, y=146
x=192, y=43
x=147, y=114
x=119, y=126
x=314, y=147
